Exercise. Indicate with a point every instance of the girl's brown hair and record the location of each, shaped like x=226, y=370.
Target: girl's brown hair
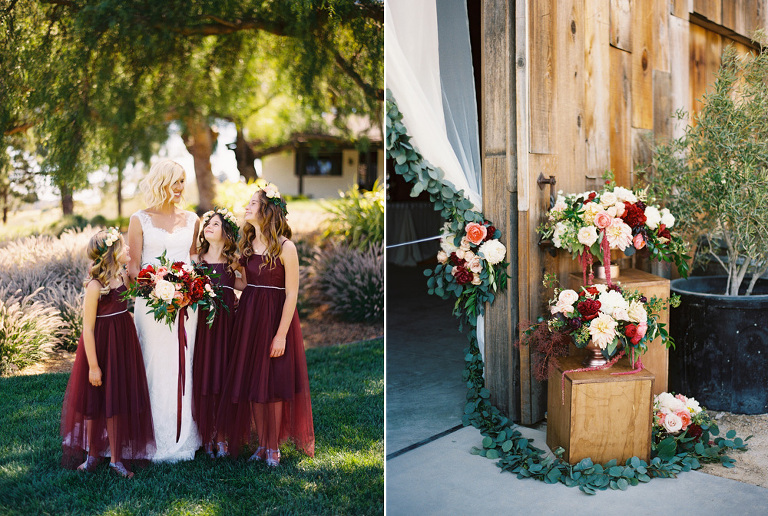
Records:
x=104, y=264
x=230, y=241
x=273, y=225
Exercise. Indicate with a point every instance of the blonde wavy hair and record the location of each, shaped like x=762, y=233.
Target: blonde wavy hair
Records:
x=154, y=187
x=273, y=225
x=104, y=265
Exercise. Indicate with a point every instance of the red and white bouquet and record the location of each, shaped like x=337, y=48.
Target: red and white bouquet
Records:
x=591, y=224
x=609, y=317
x=471, y=265
x=173, y=286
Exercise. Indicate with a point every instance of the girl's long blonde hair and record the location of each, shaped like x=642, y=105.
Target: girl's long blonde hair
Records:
x=273, y=225
x=154, y=187
x=104, y=264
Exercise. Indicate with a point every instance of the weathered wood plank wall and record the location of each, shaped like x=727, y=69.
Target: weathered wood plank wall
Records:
x=593, y=81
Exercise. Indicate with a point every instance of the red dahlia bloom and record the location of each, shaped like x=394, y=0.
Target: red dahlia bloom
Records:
x=633, y=215
x=588, y=309
x=462, y=275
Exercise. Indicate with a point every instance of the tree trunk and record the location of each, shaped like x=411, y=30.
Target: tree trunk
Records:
x=200, y=139
x=67, y=201
x=245, y=157
x=119, y=192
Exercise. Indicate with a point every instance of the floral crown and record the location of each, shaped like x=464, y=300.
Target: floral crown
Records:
x=273, y=196
x=226, y=215
x=113, y=235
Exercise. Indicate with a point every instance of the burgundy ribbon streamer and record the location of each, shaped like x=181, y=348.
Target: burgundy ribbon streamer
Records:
x=606, y=258
x=182, y=368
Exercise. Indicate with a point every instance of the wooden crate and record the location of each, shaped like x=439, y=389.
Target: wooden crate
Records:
x=656, y=359
x=604, y=416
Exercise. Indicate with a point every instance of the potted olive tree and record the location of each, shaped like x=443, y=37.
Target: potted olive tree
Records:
x=715, y=179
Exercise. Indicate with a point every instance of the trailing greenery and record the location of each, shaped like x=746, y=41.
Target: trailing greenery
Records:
x=346, y=476
x=357, y=217
x=501, y=440
x=715, y=176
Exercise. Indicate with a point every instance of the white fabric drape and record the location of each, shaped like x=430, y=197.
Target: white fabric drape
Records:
x=413, y=76
x=429, y=72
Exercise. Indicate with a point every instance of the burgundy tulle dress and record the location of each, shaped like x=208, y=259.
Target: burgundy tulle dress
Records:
x=212, y=350
x=122, y=395
x=253, y=377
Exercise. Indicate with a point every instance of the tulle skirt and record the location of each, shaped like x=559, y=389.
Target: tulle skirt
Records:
x=122, y=397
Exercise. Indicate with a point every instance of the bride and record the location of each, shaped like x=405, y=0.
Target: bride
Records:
x=163, y=226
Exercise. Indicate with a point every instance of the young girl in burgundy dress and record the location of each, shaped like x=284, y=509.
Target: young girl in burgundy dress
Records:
x=267, y=385
x=106, y=405
x=216, y=247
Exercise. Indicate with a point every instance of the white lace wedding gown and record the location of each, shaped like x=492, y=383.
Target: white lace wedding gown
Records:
x=160, y=347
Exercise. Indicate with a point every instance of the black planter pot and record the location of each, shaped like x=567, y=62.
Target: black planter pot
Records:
x=721, y=354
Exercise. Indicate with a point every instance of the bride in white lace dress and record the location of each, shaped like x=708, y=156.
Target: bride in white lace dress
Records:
x=165, y=227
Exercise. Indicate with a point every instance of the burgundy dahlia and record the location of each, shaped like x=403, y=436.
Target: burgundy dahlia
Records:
x=634, y=215
x=588, y=309
x=456, y=261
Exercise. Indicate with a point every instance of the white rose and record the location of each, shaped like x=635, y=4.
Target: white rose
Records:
x=187, y=267
x=653, y=217
x=693, y=406
x=465, y=243
x=474, y=265
x=669, y=404
x=165, y=290
x=460, y=253
x=587, y=235
x=442, y=257
x=446, y=242
x=560, y=229
x=568, y=296
x=667, y=218
x=493, y=251
x=608, y=199
x=624, y=195
x=637, y=313
x=559, y=204
x=610, y=301
x=672, y=423
x=620, y=314
x=469, y=256
x=620, y=209
x=601, y=288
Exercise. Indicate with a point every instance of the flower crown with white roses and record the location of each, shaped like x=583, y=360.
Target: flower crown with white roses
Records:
x=226, y=215
x=273, y=196
x=113, y=235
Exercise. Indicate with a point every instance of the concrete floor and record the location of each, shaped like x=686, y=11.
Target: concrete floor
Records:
x=424, y=361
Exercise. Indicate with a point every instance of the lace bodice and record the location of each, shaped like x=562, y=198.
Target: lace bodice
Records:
x=156, y=240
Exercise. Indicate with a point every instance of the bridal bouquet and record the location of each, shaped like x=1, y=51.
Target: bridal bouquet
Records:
x=591, y=224
x=471, y=266
x=173, y=286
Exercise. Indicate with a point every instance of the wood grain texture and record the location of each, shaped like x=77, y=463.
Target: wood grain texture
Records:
x=494, y=55
x=621, y=24
x=662, y=105
x=660, y=36
x=642, y=72
x=596, y=79
x=598, y=404
x=680, y=8
x=679, y=53
x=709, y=9
x=522, y=105
x=502, y=375
x=621, y=115
x=542, y=64
x=734, y=14
x=705, y=51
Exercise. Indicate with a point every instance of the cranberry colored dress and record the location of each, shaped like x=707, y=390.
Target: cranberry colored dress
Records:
x=212, y=351
x=122, y=395
x=253, y=377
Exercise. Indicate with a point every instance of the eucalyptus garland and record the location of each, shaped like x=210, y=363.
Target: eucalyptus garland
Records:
x=501, y=441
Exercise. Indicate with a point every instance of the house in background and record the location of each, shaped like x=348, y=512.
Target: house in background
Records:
x=321, y=165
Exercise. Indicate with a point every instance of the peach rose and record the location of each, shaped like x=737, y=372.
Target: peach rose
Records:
x=685, y=417
x=441, y=257
x=602, y=220
x=638, y=241
x=476, y=233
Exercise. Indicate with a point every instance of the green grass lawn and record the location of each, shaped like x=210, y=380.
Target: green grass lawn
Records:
x=346, y=476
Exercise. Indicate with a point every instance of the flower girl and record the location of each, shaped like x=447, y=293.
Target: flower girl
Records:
x=106, y=405
x=216, y=248
x=267, y=383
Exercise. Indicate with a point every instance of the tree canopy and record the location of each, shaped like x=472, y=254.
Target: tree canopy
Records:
x=101, y=80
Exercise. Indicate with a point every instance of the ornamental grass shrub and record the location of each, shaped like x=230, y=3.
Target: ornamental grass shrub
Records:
x=52, y=270
x=357, y=217
x=28, y=329
x=351, y=281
